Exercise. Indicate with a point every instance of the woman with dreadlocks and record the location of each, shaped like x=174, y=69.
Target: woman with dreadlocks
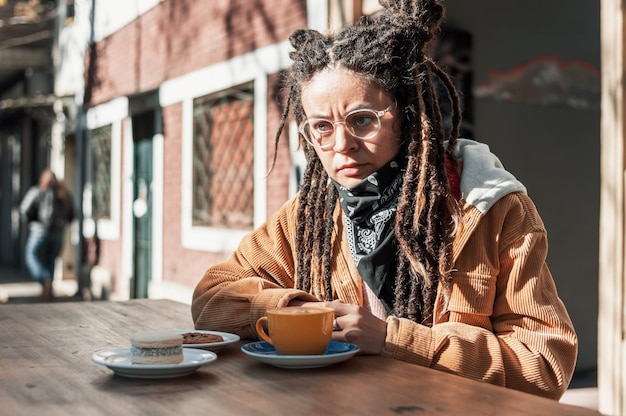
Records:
x=426, y=248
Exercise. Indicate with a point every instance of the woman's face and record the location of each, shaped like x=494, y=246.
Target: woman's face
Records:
x=332, y=94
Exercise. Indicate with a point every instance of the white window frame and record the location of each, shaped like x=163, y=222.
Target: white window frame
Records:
x=253, y=67
x=113, y=113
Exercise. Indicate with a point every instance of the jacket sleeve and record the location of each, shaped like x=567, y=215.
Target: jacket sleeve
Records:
x=259, y=275
x=503, y=322
x=30, y=205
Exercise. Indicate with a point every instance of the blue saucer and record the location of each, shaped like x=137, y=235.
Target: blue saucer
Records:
x=266, y=353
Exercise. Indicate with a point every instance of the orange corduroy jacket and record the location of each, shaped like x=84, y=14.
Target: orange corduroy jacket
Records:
x=503, y=322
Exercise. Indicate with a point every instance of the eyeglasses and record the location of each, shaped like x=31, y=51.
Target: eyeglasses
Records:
x=363, y=124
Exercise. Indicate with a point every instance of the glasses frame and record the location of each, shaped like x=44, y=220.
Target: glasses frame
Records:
x=314, y=142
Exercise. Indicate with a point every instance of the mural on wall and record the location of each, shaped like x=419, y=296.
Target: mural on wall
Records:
x=545, y=80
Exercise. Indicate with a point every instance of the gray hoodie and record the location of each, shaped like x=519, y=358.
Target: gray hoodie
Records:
x=484, y=180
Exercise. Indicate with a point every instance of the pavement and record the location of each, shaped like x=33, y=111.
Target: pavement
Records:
x=16, y=287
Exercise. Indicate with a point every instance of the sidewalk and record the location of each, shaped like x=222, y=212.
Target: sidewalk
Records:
x=16, y=286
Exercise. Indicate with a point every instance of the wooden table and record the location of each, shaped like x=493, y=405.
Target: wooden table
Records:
x=46, y=369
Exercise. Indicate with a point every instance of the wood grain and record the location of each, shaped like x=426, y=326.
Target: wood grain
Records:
x=46, y=368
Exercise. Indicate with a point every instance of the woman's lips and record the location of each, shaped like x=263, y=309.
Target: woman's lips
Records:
x=351, y=169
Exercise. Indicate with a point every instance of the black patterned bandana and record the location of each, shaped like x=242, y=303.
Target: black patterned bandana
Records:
x=369, y=213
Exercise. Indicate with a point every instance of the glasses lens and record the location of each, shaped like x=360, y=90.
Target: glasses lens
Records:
x=318, y=131
x=321, y=127
x=363, y=124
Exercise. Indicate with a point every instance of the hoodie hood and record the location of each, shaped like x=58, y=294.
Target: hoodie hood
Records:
x=483, y=180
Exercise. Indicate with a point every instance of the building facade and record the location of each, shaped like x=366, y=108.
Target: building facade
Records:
x=161, y=115
x=181, y=103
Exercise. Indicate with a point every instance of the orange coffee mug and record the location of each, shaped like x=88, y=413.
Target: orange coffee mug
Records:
x=297, y=330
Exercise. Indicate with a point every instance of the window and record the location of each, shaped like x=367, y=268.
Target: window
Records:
x=223, y=159
x=101, y=172
x=102, y=192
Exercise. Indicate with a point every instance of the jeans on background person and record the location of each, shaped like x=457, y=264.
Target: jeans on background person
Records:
x=41, y=252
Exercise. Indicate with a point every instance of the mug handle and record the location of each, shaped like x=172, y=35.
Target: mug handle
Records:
x=261, y=330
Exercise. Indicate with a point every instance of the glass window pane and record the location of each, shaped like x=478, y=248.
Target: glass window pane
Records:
x=101, y=172
x=223, y=159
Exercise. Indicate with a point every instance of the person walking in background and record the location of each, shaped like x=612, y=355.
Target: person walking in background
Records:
x=47, y=208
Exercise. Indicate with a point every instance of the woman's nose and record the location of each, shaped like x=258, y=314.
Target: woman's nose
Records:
x=344, y=141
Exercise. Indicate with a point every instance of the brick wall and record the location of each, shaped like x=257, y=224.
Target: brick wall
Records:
x=177, y=37
x=180, y=265
x=171, y=40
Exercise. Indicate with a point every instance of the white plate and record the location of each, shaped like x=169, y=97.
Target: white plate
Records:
x=119, y=361
x=265, y=353
x=213, y=346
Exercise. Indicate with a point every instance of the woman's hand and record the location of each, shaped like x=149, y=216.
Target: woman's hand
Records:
x=355, y=325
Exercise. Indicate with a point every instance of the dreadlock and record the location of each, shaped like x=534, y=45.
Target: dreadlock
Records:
x=389, y=50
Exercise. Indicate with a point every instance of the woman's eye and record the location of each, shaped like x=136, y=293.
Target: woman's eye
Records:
x=361, y=120
x=323, y=126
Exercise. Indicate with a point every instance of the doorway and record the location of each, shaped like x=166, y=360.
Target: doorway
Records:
x=144, y=126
